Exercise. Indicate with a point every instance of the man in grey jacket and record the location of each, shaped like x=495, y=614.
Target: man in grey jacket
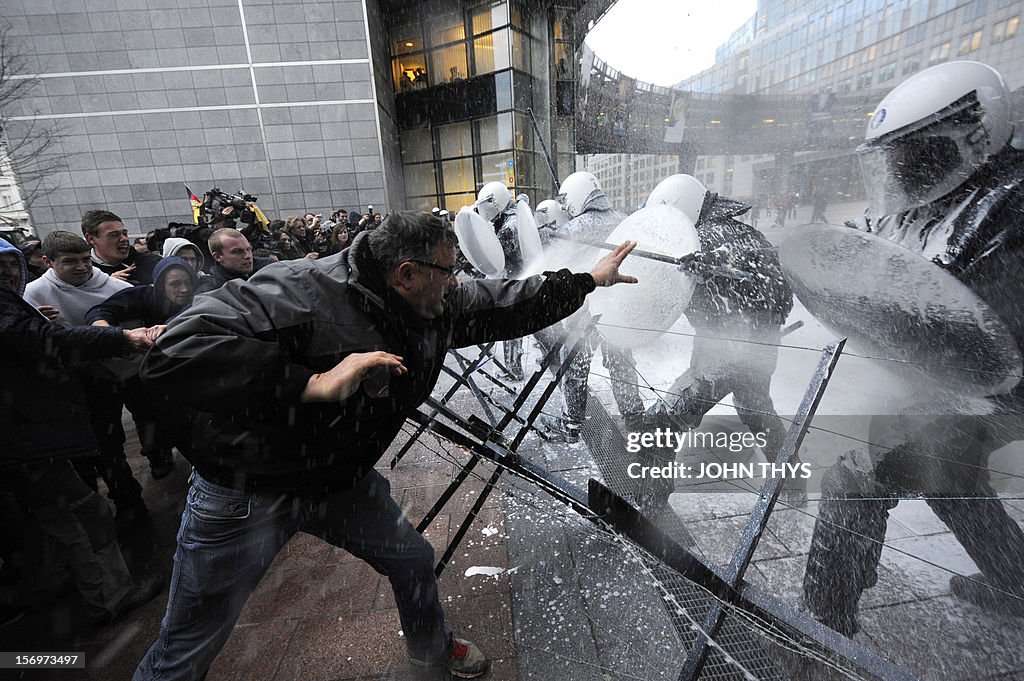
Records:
x=317, y=364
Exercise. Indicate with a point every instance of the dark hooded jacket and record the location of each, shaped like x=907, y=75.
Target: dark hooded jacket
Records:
x=220, y=276
x=43, y=414
x=245, y=352
x=765, y=298
x=27, y=248
x=144, y=263
x=142, y=305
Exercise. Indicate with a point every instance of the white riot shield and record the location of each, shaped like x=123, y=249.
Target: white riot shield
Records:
x=479, y=243
x=633, y=314
x=529, y=240
x=896, y=305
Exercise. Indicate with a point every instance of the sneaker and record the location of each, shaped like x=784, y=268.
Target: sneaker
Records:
x=561, y=428
x=144, y=590
x=977, y=589
x=463, y=660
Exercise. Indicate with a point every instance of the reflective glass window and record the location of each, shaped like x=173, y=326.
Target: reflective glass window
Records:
x=563, y=61
x=453, y=202
x=503, y=90
x=521, y=51
x=970, y=42
x=420, y=179
x=525, y=136
x=447, y=29
x=458, y=175
x=423, y=203
x=526, y=165
x=416, y=145
x=410, y=72
x=489, y=17
x=491, y=52
x=405, y=39
x=448, y=64
x=495, y=132
x=456, y=140
x=498, y=168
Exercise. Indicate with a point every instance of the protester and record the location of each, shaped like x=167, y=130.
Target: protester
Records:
x=337, y=352
x=112, y=253
x=46, y=425
x=32, y=249
x=233, y=259
x=65, y=293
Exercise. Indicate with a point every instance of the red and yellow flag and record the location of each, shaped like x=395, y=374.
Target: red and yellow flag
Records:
x=196, y=204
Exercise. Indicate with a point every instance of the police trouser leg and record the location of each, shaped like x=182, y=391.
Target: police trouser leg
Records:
x=513, y=351
x=846, y=546
x=574, y=384
x=625, y=380
x=992, y=539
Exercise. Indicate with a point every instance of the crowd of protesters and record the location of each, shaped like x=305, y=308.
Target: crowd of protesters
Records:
x=73, y=334
x=67, y=283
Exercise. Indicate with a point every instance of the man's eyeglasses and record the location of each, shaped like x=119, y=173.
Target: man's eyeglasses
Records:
x=448, y=271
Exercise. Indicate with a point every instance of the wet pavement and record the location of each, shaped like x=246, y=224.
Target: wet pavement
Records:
x=570, y=601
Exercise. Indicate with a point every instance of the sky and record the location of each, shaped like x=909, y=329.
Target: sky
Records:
x=664, y=41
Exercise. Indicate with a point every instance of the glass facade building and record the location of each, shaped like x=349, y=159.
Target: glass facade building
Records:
x=787, y=100
x=466, y=79
x=857, y=48
x=309, y=105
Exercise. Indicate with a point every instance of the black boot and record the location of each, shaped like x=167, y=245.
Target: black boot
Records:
x=845, y=547
x=978, y=590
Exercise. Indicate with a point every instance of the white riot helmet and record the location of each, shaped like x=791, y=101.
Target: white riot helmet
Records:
x=932, y=132
x=493, y=199
x=549, y=213
x=684, y=192
x=576, y=190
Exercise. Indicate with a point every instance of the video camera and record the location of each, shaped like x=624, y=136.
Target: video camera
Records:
x=215, y=202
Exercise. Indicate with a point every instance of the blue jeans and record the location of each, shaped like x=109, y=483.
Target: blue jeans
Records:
x=228, y=538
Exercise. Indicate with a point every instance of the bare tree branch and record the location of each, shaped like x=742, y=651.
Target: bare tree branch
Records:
x=29, y=147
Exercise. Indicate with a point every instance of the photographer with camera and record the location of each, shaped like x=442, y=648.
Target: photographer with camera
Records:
x=221, y=210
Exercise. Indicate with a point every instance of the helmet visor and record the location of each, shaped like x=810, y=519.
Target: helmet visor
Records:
x=487, y=209
x=906, y=169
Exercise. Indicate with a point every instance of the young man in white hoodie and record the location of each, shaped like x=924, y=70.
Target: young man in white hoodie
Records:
x=72, y=284
x=70, y=288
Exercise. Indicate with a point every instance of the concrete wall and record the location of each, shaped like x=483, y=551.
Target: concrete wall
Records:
x=155, y=94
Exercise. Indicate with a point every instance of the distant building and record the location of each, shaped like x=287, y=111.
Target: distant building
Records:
x=838, y=49
x=308, y=105
x=778, y=116
x=628, y=179
x=13, y=212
